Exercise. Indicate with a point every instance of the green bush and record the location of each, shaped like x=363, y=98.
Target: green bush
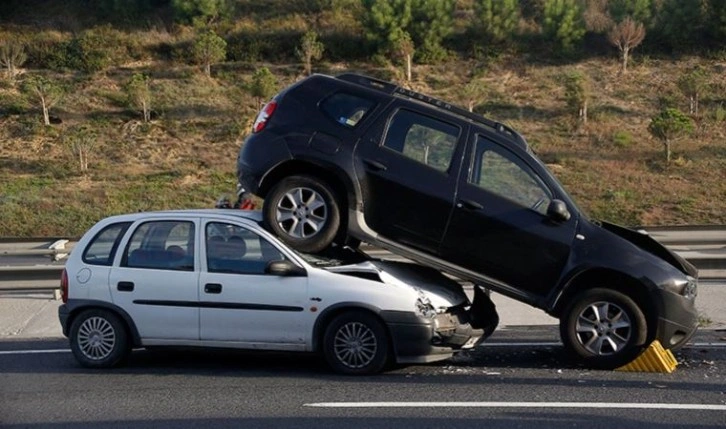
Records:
x=622, y=139
x=47, y=49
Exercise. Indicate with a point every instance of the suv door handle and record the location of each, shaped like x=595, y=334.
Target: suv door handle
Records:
x=375, y=165
x=213, y=288
x=468, y=204
x=125, y=286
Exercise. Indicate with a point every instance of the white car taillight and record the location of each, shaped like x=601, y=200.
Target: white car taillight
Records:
x=264, y=116
x=64, y=286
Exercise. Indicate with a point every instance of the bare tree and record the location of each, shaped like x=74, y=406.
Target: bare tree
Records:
x=626, y=35
x=45, y=91
x=12, y=56
x=81, y=140
x=692, y=84
x=139, y=94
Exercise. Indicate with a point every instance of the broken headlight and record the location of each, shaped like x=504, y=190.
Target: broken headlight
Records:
x=424, y=308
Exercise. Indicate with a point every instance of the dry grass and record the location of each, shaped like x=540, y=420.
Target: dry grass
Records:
x=186, y=156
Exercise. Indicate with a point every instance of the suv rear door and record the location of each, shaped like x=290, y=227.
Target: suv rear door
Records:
x=499, y=226
x=407, y=167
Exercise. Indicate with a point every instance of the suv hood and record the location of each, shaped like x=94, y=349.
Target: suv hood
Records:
x=441, y=290
x=651, y=245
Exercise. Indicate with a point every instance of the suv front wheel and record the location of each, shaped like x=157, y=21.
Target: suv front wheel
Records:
x=604, y=328
x=303, y=212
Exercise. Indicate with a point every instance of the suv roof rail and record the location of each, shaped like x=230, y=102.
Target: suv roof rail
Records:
x=393, y=89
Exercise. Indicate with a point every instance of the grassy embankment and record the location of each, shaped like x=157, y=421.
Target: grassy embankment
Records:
x=185, y=157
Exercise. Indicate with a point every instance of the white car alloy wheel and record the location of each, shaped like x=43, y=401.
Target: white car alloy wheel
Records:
x=99, y=339
x=356, y=342
x=355, y=345
x=96, y=338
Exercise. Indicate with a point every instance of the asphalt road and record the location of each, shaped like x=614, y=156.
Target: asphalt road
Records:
x=519, y=378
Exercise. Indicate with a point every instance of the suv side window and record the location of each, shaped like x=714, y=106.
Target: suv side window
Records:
x=346, y=109
x=423, y=139
x=237, y=250
x=502, y=173
x=163, y=245
x=102, y=248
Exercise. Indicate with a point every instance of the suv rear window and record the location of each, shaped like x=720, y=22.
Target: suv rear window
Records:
x=346, y=109
x=423, y=139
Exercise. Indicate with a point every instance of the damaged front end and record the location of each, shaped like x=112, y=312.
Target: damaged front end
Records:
x=444, y=319
x=467, y=325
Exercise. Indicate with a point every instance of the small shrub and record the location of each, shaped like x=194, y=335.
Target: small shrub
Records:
x=719, y=114
x=622, y=139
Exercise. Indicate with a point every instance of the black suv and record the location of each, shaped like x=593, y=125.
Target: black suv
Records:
x=349, y=158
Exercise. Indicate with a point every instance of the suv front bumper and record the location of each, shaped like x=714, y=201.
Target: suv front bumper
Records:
x=678, y=320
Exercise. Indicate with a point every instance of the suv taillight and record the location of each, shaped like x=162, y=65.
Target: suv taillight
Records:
x=64, y=286
x=264, y=116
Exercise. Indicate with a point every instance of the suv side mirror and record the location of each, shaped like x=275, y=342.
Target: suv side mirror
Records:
x=284, y=268
x=557, y=211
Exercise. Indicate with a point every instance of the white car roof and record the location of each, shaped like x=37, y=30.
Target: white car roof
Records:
x=252, y=215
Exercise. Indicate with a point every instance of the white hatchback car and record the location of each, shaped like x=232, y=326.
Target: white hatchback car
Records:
x=216, y=278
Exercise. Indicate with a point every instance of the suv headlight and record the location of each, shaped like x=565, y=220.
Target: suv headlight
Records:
x=687, y=288
x=690, y=289
x=424, y=308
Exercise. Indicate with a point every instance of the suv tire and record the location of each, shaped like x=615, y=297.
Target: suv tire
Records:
x=356, y=343
x=303, y=212
x=98, y=339
x=604, y=328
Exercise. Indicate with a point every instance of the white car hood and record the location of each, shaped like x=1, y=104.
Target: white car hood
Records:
x=442, y=291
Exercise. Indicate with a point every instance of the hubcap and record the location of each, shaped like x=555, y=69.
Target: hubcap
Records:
x=603, y=328
x=301, y=212
x=355, y=345
x=96, y=338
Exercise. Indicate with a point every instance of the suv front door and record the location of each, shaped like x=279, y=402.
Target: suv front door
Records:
x=499, y=226
x=407, y=171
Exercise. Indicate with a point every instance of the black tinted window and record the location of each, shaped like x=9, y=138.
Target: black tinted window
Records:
x=423, y=139
x=346, y=109
x=499, y=171
x=102, y=248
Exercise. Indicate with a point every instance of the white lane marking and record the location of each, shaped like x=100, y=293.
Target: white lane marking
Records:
x=556, y=344
x=599, y=405
x=552, y=344
x=33, y=352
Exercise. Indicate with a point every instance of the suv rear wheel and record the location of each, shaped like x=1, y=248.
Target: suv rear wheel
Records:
x=303, y=212
x=603, y=327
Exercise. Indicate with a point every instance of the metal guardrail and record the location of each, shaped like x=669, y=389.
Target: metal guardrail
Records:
x=704, y=246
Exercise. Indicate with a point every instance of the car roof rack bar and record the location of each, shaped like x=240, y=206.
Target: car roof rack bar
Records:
x=391, y=88
x=378, y=84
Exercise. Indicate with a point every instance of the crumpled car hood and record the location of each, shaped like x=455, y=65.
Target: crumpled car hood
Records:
x=649, y=244
x=441, y=290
